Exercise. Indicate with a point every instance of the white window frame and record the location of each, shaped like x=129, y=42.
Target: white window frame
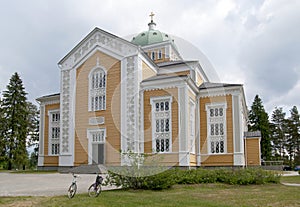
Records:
x=159, y=116
x=96, y=90
x=192, y=140
x=159, y=54
x=95, y=140
x=53, y=135
x=213, y=122
x=153, y=55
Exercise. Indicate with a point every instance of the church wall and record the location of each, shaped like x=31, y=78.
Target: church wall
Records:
x=220, y=159
x=111, y=120
x=147, y=71
x=252, y=151
x=156, y=60
x=51, y=160
x=167, y=158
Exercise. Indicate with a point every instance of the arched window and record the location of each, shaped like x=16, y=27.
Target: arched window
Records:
x=97, y=90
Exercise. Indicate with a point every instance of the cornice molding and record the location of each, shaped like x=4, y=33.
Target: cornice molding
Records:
x=98, y=39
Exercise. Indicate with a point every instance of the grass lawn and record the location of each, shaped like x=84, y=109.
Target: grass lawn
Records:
x=290, y=179
x=180, y=195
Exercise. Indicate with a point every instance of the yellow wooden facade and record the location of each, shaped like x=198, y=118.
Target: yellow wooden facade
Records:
x=123, y=72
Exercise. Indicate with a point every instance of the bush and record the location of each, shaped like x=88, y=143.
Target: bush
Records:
x=158, y=178
x=167, y=178
x=136, y=180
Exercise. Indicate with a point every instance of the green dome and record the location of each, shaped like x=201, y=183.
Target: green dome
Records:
x=150, y=37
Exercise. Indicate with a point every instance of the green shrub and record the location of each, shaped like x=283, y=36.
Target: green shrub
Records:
x=137, y=180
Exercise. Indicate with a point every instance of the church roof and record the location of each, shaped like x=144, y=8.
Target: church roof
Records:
x=151, y=36
x=209, y=85
x=172, y=63
x=50, y=96
x=164, y=76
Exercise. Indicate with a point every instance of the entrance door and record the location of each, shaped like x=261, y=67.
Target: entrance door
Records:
x=98, y=153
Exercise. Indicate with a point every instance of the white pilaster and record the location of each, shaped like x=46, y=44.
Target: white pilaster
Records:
x=67, y=108
x=238, y=148
x=184, y=156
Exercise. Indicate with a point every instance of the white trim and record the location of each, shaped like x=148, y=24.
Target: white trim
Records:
x=40, y=160
x=184, y=159
x=97, y=40
x=151, y=65
x=92, y=91
x=192, y=126
x=90, y=142
x=222, y=91
x=213, y=105
x=42, y=130
x=51, y=125
x=163, y=83
x=237, y=131
x=153, y=101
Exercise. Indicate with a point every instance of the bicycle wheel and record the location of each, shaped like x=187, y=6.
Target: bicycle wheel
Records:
x=94, y=190
x=72, y=190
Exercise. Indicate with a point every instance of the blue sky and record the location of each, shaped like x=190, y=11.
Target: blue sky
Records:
x=255, y=43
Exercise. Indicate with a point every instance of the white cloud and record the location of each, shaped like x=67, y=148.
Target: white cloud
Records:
x=251, y=42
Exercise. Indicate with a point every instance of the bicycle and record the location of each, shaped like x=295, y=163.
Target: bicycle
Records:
x=95, y=189
x=73, y=187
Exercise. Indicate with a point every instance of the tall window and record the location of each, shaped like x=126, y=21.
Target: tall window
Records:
x=97, y=93
x=216, y=129
x=161, y=124
x=192, y=144
x=54, y=132
x=159, y=54
x=153, y=55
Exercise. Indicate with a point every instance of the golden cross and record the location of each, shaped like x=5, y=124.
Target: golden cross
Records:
x=151, y=15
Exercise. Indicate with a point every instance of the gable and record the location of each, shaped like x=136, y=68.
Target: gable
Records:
x=101, y=41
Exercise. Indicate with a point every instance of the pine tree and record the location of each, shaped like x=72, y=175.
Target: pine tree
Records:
x=259, y=121
x=14, y=106
x=293, y=140
x=278, y=132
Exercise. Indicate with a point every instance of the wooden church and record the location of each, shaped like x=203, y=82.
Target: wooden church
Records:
x=141, y=96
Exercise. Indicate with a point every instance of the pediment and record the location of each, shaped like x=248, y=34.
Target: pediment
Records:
x=98, y=40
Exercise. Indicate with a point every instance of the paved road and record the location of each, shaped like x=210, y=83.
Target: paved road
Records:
x=17, y=184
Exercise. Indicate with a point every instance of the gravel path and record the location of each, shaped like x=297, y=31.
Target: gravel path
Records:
x=18, y=184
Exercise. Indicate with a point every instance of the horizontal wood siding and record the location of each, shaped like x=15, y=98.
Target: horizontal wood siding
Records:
x=111, y=114
x=217, y=160
x=211, y=160
x=252, y=151
x=50, y=160
x=148, y=117
x=147, y=71
x=193, y=160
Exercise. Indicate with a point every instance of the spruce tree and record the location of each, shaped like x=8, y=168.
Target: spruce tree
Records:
x=15, y=111
x=33, y=133
x=2, y=137
x=293, y=141
x=278, y=132
x=259, y=121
